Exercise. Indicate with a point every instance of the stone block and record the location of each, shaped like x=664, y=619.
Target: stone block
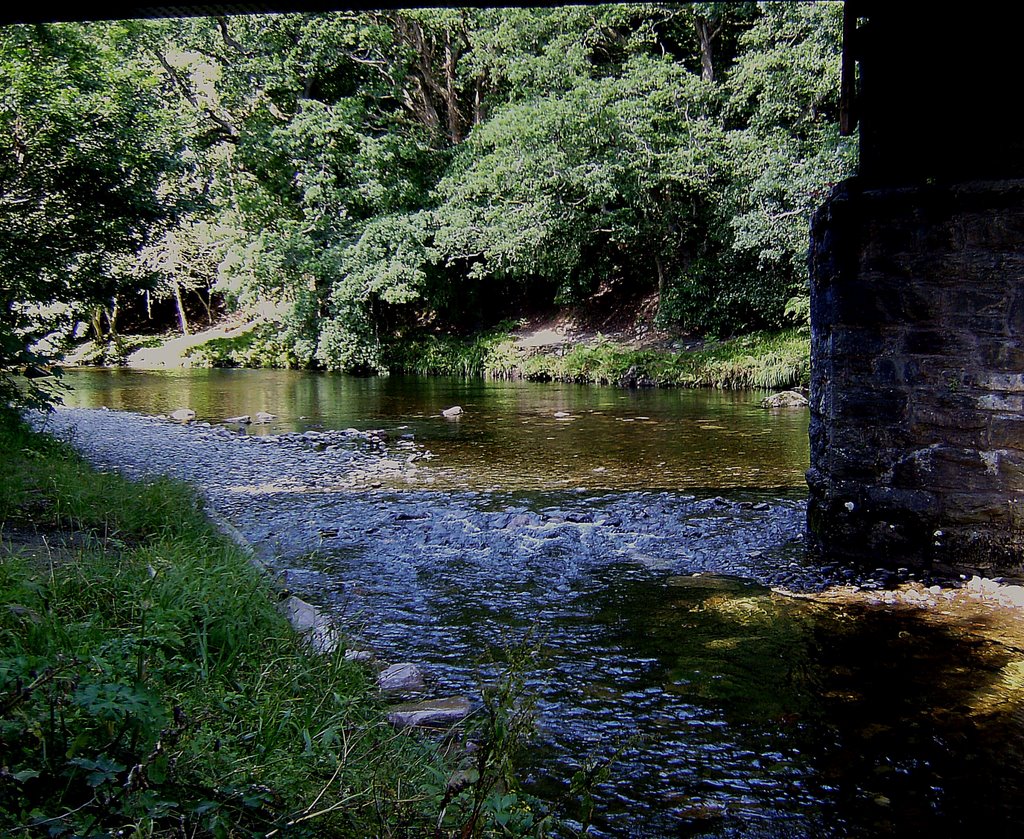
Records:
x=864, y=462
x=992, y=232
x=1001, y=402
x=862, y=403
x=914, y=502
x=929, y=418
x=849, y=342
x=1000, y=381
x=977, y=508
x=929, y=341
x=1001, y=355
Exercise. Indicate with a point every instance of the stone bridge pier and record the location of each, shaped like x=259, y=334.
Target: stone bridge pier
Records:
x=917, y=298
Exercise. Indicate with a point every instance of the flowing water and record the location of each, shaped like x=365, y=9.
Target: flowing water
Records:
x=648, y=546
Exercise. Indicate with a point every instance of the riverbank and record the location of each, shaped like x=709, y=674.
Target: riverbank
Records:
x=149, y=684
x=760, y=360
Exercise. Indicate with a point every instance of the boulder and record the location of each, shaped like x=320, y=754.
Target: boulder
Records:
x=245, y=419
x=183, y=415
x=451, y=413
x=634, y=378
x=263, y=418
x=785, y=399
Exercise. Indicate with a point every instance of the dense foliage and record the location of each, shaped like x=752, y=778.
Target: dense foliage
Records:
x=363, y=177
x=83, y=150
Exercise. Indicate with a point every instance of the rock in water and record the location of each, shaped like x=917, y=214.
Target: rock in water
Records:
x=634, y=378
x=785, y=399
x=451, y=413
x=309, y=622
x=263, y=418
x=406, y=676
x=245, y=419
x=430, y=714
x=183, y=415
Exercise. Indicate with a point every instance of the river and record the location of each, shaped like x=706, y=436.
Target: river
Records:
x=648, y=547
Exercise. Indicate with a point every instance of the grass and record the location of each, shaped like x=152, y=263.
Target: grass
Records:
x=760, y=360
x=150, y=687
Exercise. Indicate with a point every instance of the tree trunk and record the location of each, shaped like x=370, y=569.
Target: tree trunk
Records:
x=96, y=322
x=112, y=317
x=451, y=95
x=706, y=34
x=208, y=305
x=432, y=91
x=182, y=320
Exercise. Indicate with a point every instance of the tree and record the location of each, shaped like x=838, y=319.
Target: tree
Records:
x=82, y=153
x=784, y=104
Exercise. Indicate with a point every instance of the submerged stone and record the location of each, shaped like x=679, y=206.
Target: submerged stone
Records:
x=432, y=713
x=785, y=399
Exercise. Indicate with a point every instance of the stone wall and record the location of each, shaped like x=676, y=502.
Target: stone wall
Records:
x=917, y=387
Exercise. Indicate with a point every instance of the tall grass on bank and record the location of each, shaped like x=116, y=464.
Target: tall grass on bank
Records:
x=761, y=360
x=149, y=686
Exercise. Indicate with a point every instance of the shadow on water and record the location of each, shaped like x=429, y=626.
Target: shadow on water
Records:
x=921, y=721
x=764, y=715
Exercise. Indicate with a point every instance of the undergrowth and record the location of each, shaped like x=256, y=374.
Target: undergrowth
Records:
x=265, y=345
x=149, y=686
x=760, y=360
